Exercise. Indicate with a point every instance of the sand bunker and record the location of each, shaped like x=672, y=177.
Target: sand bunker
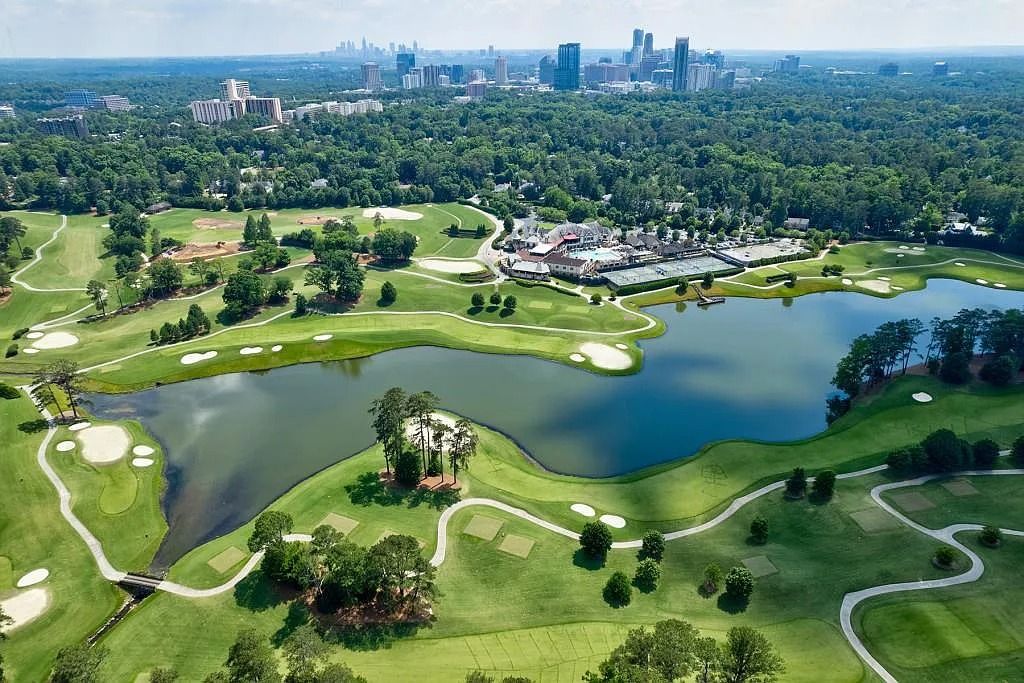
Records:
x=903, y=246
x=582, y=509
x=143, y=450
x=621, y=347
x=79, y=426
x=918, y=249
x=31, y=351
x=875, y=286
x=34, y=335
x=897, y=289
x=142, y=462
x=922, y=397
x=607, y=357
x=577, y=357
x=323, y=337
x=412, y=432
x=613, y=521
x=1000, y=285
x=55, y=340
x=105, y=443
x=960, y=265
x=250, y=350
x=981, y=282
x=443, y=266
x=33, y=577
x=847, y=281
x=26, y=606
x=885, y=279
x=275, y=348
x=193, y=358
x=392, y=214
x=65, y=446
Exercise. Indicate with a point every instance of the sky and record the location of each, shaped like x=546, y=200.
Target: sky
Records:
x=122, y=28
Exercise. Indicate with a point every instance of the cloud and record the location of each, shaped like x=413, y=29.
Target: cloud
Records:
x=70, y=28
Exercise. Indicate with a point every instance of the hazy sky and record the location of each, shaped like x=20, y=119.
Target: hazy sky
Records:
x=105, y=28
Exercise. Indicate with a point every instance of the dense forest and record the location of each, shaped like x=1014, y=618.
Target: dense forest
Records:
x=866, y=154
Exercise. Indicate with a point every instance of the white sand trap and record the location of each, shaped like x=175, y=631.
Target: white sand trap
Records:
x=30, y=351
x=275, y=348
x=899, y=255
x=577, y=357
x=885, y=279
x=55, y=340
x=250, y=350
x=26, y=606
x=65, y=446
x=621, y=347
x=918, y=249
x=193, y=358
x=412, y=433
x=875, y=286
x=1000, y=285
x=607, y=357
x=847, y=281
x=323, y=337
x=79, y=426
x=34, y=335
x=144, y=451
x=392, y=214
x=582, y=509
x=922, y=397
x=903, y=246
x=614, y=521
x=33, y=577
x=960, y=265
x=897, y=289
x=443, y=266
x=142, y=462
x=981, y=282
x=105, y=443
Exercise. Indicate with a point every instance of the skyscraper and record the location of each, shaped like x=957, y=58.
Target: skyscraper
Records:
x=371, y=76
x=404, y=61
x=680, y=64
x=567, y=73
x=790, y=64
x=940, y=69
x=457, y=74
x=500, y=70
x=648, y=44
x=546, y=70
x=638, y=37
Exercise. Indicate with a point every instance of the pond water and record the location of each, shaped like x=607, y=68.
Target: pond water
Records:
x=749, y=368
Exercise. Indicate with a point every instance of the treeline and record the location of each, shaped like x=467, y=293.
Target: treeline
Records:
x=943, y=451
x=841, y=154
x=196, y=323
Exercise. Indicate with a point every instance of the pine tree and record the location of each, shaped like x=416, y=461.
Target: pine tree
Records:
x=250, y=234
x=264, y=232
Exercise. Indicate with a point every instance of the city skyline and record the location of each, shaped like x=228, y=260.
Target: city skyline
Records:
x=150, y=28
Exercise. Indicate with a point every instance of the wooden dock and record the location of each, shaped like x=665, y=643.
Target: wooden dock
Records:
x=705, y=300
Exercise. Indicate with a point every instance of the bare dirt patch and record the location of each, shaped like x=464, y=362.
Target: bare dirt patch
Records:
x=316, y=220
x=206, y=251
x=217, y=224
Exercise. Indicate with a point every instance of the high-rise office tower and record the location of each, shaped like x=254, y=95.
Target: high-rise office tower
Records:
x=500, y=70
x=648, y=44
x=371, y=76
x=638, y=37
x=680, y=64
x=546, y=70
x=790, y=64
x=404, y=61
x=430, y=75
x=458, y=73
x=567, y=73
x=490, y=50
x=714, y=57
x=940, y=69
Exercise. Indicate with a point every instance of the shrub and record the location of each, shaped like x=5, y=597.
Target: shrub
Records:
x=796, y=485
x=477, y=300
x=945, y=557
x=618, y=592
x=495, y=299
x=301, y=304
x=1001, y=370
x=19, y=333
x=991, y=536
x=8, y=392
x=648, y=573
x=434, y=465
x=985, y=453
x=595, y=298
x=652, y=546
x=739, y=583
x=824, y=484
x=713, y=578
x=759, y=530
x=596, y=539
x=510, y=303
x=388, y=293
x=944, y=451
x=408, y=468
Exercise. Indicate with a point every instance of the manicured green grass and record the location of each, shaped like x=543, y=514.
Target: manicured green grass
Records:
x=74, y=257
x=33, y=535
x=973, y=632
x=999, y=501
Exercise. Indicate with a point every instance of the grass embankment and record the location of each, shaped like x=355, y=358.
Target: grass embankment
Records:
x=33, y=535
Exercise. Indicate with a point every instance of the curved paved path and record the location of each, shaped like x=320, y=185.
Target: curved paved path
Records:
x=16, y=277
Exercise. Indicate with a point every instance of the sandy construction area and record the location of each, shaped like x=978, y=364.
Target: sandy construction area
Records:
x=55, y=340
x=26, y=606
x=875, y=286
x=607, y=357
x=443, y=266
x=217, y=224
x=206, y=251
x=390, y=214
x=104, y=443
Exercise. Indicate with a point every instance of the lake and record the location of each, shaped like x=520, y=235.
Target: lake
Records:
x=756, y=369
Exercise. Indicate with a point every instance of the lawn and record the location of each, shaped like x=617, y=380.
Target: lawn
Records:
x=73, y=258
x=997, y=500
x=35, y=536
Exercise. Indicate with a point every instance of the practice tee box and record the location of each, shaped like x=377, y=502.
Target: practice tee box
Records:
x=960, y=487
x=541, y=305
x=760, y=566
x=913, y=502
x=483, y=527
x=520, y=546
x=873, y=521
x=339, y=523
x=226, y=559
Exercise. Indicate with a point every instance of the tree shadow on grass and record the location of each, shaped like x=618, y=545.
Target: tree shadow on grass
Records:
x=298, y=615
x=372, y=636
x=818, y=499
x=436, y=500
x=368, y=489
x=256, y=594
x=586, y=561
x=34, y=426
x=474, y=310
x=506, y=312
x=732, y=604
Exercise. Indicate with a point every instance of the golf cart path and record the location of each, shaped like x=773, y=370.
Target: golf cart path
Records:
x=16, y=277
